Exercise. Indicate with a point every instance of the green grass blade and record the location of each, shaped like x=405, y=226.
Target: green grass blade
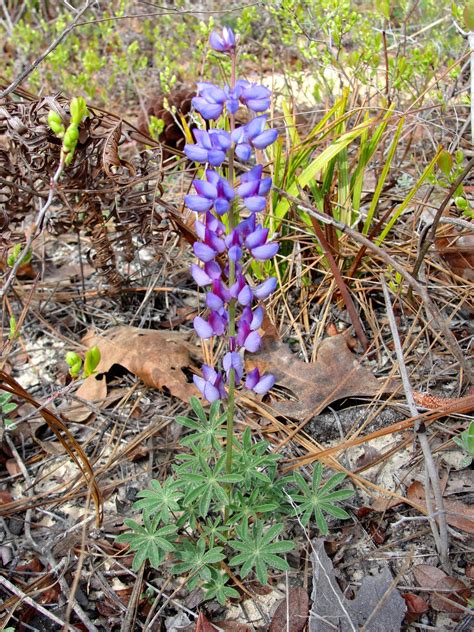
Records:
x=383, y=177
x=408, y=199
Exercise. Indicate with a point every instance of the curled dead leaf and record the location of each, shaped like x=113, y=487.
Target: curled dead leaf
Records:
x=162, y=359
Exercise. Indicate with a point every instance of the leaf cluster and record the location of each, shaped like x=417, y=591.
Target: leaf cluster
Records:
x=208, y=519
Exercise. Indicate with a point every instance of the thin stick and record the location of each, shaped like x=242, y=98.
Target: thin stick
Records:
x=49, y=50
x=29, y=601
x=431, y=475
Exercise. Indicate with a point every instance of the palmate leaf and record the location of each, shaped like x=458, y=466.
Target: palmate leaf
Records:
x=160, y=500
x=150, y=543
x=318, y=499
x=207, y=429
x=258, y=551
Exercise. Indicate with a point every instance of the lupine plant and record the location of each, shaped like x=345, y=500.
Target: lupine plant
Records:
x=228, y=241
x=225, y=502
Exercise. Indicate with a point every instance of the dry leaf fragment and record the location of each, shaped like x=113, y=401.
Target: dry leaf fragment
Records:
x=292, y=612
x=458, y=514
x=377, y=606
x=203, y=624
x=336, y=374
x=445, y=589
x=416, y=606
x=160, y=358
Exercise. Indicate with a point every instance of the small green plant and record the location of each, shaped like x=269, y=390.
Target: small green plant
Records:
x=319, y=499
x=15, y=252
x=69, y=135
x=6, y=406
x=91, y=361
x=466, y=442
x=155, y=127
x=206, y=519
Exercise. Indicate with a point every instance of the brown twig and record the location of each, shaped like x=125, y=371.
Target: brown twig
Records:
x=349, y=303
x=431, y=475
x=431, y=235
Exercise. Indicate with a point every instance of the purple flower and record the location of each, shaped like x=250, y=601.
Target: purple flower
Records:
x=210, y=100
x=256, y=242
x=266, y=288
x=214, y=191
x=202, y=328
x=253, y=134
x=248, y=338
x=241, y=291
x=259, y=385
x=256, y=97
x=210, y=146
x=211, y=384
x=253, y=188
x=222, y=43
x=232, y=360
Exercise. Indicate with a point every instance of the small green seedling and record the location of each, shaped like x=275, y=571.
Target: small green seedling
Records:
x=70, y=136
x=91, y=361
x=13, y=328
x=15, y=252
x=6, y=406
x=155, y=127
x=466, y=442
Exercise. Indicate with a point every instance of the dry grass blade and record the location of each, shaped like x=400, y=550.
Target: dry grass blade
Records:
x=64, y=436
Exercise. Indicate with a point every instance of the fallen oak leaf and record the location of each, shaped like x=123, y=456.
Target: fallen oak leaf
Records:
x=377, y=605
x=160, y=358
x=336, y=374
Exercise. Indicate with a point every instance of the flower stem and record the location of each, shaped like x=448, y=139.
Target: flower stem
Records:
x=232, y=222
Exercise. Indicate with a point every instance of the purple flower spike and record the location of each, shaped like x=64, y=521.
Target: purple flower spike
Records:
x=222, y=43
x=232, y=360
x=259, y=385
x=211, y=384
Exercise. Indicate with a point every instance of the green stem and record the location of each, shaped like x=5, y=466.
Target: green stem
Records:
x=233, y=218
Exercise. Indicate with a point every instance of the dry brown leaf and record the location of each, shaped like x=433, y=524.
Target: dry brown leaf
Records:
x=159, y=358
x=458, y=252
x=336, y=374
x=203, y=624
x=416, y=606
x=110, y=154
x=292, y=612
x=458, y=514
x=450, y=589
